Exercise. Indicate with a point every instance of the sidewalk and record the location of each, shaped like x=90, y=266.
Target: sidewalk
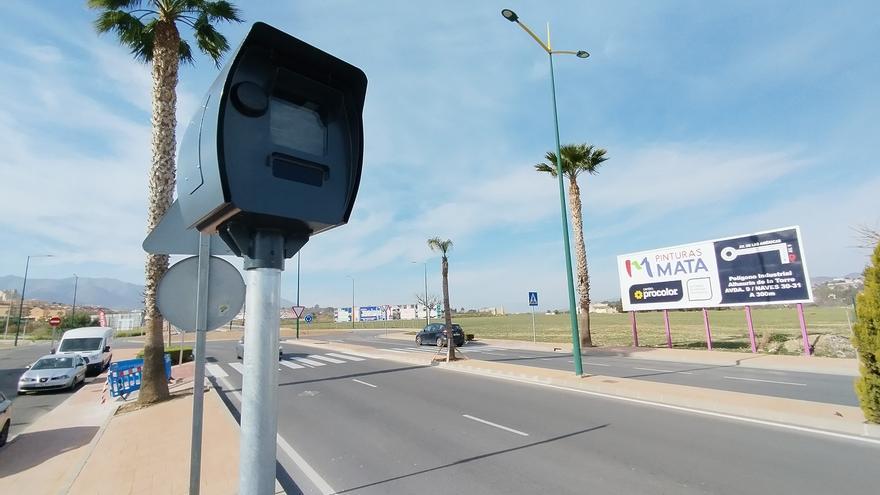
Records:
x=811, y=364
x=85, y=446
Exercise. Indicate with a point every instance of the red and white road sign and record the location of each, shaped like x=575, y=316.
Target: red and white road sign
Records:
x=298, y=311
x=54, y=321
x=102, y=318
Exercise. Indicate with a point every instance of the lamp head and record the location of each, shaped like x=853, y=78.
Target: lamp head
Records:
x=582, y=54
x=510, y=15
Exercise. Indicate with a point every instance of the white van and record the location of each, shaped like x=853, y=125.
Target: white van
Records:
x=92, y=343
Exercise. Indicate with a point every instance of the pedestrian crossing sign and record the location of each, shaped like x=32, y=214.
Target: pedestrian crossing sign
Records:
x=533, y=298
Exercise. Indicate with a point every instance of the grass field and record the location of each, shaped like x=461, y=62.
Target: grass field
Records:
x=729, y=328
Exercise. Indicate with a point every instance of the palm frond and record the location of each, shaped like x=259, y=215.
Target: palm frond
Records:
x=131, y=32
x=222, y=11
x=441, y=245
x=543, y=167
x=184, y=53
x=576, y=158
x=115, y=4
x=209, y=40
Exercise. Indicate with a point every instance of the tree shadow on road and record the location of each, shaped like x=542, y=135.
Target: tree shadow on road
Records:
x=475, y=458
x=32, y=449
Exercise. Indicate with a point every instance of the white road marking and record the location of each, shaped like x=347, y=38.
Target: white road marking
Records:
x=214, y=369
x=765, y=381
x=309, y=362
x=783, y=426
x=345, y=356
x=325, y=358
x=363, y=383
x=304, y=466
x=590, y=364
x=664, y=371
x=468, y=416
x=297, y=459
x=237, y=367
x=290, y=365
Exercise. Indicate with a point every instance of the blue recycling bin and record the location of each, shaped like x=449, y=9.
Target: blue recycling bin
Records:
x=124, y=377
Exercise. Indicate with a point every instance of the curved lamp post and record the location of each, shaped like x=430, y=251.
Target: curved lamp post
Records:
x=575, y=337
x=23, y=287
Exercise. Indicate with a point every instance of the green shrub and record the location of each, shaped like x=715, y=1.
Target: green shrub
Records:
x=131, y=333
x=174, y=352
x=866, y=339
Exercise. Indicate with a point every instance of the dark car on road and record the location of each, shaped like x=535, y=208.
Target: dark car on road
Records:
x=435, y=333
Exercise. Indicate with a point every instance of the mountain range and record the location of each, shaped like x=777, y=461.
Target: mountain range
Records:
x=102, y=292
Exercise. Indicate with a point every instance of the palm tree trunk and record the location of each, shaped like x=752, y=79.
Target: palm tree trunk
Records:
x=154, y=385
x=450, y=341
x=580, y=250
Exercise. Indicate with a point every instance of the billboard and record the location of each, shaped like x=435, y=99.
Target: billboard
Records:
x=753, y=269
x=371, y=313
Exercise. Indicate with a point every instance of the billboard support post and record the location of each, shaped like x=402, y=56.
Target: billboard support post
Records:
x=808, y=351
x=708, y=331
x=666, y=325
x=751, y=329
x=632, y=317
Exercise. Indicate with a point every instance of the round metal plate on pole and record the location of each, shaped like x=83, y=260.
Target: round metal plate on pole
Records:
x=54, y=321
x=177, y=292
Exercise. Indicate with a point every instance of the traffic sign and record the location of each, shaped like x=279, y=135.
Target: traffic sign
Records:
x=309, y=318
x=533, y=298
x=298, y=311
x=54, y=321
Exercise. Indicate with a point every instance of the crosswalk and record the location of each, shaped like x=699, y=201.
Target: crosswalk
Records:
x=217, y=370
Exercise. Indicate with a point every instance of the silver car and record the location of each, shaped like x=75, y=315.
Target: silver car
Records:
x=239, y=350
x=53, y=372
x=5, y=418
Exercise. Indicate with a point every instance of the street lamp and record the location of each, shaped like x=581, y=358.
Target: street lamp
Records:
x=575, y=338
x=73, y=308
x=23, y=287
x=427, y=311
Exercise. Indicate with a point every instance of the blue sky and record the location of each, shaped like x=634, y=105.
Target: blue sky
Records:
x=719, y=119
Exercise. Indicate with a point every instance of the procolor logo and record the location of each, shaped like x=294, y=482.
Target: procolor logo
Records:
x=655, y=293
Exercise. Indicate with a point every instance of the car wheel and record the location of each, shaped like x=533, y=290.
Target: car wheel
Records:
x=439, y=341
x=419, y=340
x=4, y=433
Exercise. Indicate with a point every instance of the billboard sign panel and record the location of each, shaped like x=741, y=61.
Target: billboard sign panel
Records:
x=371, y=313
x=753, y=269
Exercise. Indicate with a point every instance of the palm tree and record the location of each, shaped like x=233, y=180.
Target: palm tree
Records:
x=436, y=244
x=577, y=158
x=150, y=29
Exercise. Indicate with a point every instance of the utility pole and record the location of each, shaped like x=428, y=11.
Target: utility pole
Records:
x=73, y=308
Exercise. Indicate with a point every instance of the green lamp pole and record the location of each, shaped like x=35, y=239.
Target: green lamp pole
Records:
x=297, y=290
x=572, y=308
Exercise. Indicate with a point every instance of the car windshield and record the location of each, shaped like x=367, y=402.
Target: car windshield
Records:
x=58, y=363
x=73, y=345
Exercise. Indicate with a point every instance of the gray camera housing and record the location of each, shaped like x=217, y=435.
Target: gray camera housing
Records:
x=277, y=143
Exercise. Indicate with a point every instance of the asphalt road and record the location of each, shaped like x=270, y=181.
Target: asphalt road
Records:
x=375, y=426
x=28, y=408
x=816, y=387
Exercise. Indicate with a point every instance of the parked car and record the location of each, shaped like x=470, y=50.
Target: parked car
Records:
x=53, y=372
x=90, y=343
x=5, y=418
x=239, y=350
x=435, y=333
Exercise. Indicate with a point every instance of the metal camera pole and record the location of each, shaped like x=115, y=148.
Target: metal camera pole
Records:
x=259, y=404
